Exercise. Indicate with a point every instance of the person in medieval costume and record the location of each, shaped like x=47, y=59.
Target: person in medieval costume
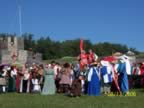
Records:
x=83, y=58
x=3, y=74
x=66, y=80
x=57, y=69
x=35, y=86
x=94, y=80
x=49, y=87
x=83, y=77
x=142, y=69
x=19, y=78
x=24, y=79
x=106, y=73
x=75, y=88
x=41, y=75
x=126, y=60
x=113, y=64
x=136, y=69
x=12, y=79
x=77, y=71
x=123, y=77
x=128, y=64
x=92, y=56
x=76, y=83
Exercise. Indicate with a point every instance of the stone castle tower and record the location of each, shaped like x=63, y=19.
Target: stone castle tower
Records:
x=14, y=46
x=11, y=43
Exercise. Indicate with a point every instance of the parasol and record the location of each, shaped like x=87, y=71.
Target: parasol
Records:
x=1, y=65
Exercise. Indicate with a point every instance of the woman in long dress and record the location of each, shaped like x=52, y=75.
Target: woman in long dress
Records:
x=12, y=80
x=123, y=78
x=49, y=83
x=66, y=79
x=94, y=81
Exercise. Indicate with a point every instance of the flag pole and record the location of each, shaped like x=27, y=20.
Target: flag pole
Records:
x=20, y=19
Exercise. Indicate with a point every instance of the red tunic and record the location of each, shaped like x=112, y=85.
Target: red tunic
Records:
x=91, y=58
x=83, y=60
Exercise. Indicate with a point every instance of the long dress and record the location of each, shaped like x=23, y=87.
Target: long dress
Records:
x=49, y=83
x=93, y=82
x=123, y=78
x=12, y=84
x=12, y=81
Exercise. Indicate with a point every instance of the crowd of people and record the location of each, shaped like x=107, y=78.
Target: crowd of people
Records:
x=91, y=76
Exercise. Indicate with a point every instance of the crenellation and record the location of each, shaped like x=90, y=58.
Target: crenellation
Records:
x=12, y=45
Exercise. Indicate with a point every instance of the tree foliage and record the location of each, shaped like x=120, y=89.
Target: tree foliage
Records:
x=55, y=49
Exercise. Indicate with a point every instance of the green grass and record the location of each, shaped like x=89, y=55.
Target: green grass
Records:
x=14, y=100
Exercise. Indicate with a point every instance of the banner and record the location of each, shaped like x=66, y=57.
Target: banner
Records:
x=81, y=45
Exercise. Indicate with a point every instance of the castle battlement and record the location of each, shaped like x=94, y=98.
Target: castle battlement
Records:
x=13, y=45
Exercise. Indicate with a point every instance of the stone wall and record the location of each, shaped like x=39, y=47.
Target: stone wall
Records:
x=5, y=57
x=3, y=43
x=11, y=45
x=22, y=56
x=34, y=58
x=20, y=43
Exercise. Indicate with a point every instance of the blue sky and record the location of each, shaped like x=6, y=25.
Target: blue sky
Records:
x=117, y=21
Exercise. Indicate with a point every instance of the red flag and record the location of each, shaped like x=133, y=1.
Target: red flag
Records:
x=110, y=58
x=81, y=44
x=116, y=79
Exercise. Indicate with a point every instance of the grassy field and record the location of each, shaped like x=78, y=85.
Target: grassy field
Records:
x=14, y=100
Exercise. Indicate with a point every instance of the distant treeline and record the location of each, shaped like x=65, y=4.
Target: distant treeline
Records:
x=52, y=49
